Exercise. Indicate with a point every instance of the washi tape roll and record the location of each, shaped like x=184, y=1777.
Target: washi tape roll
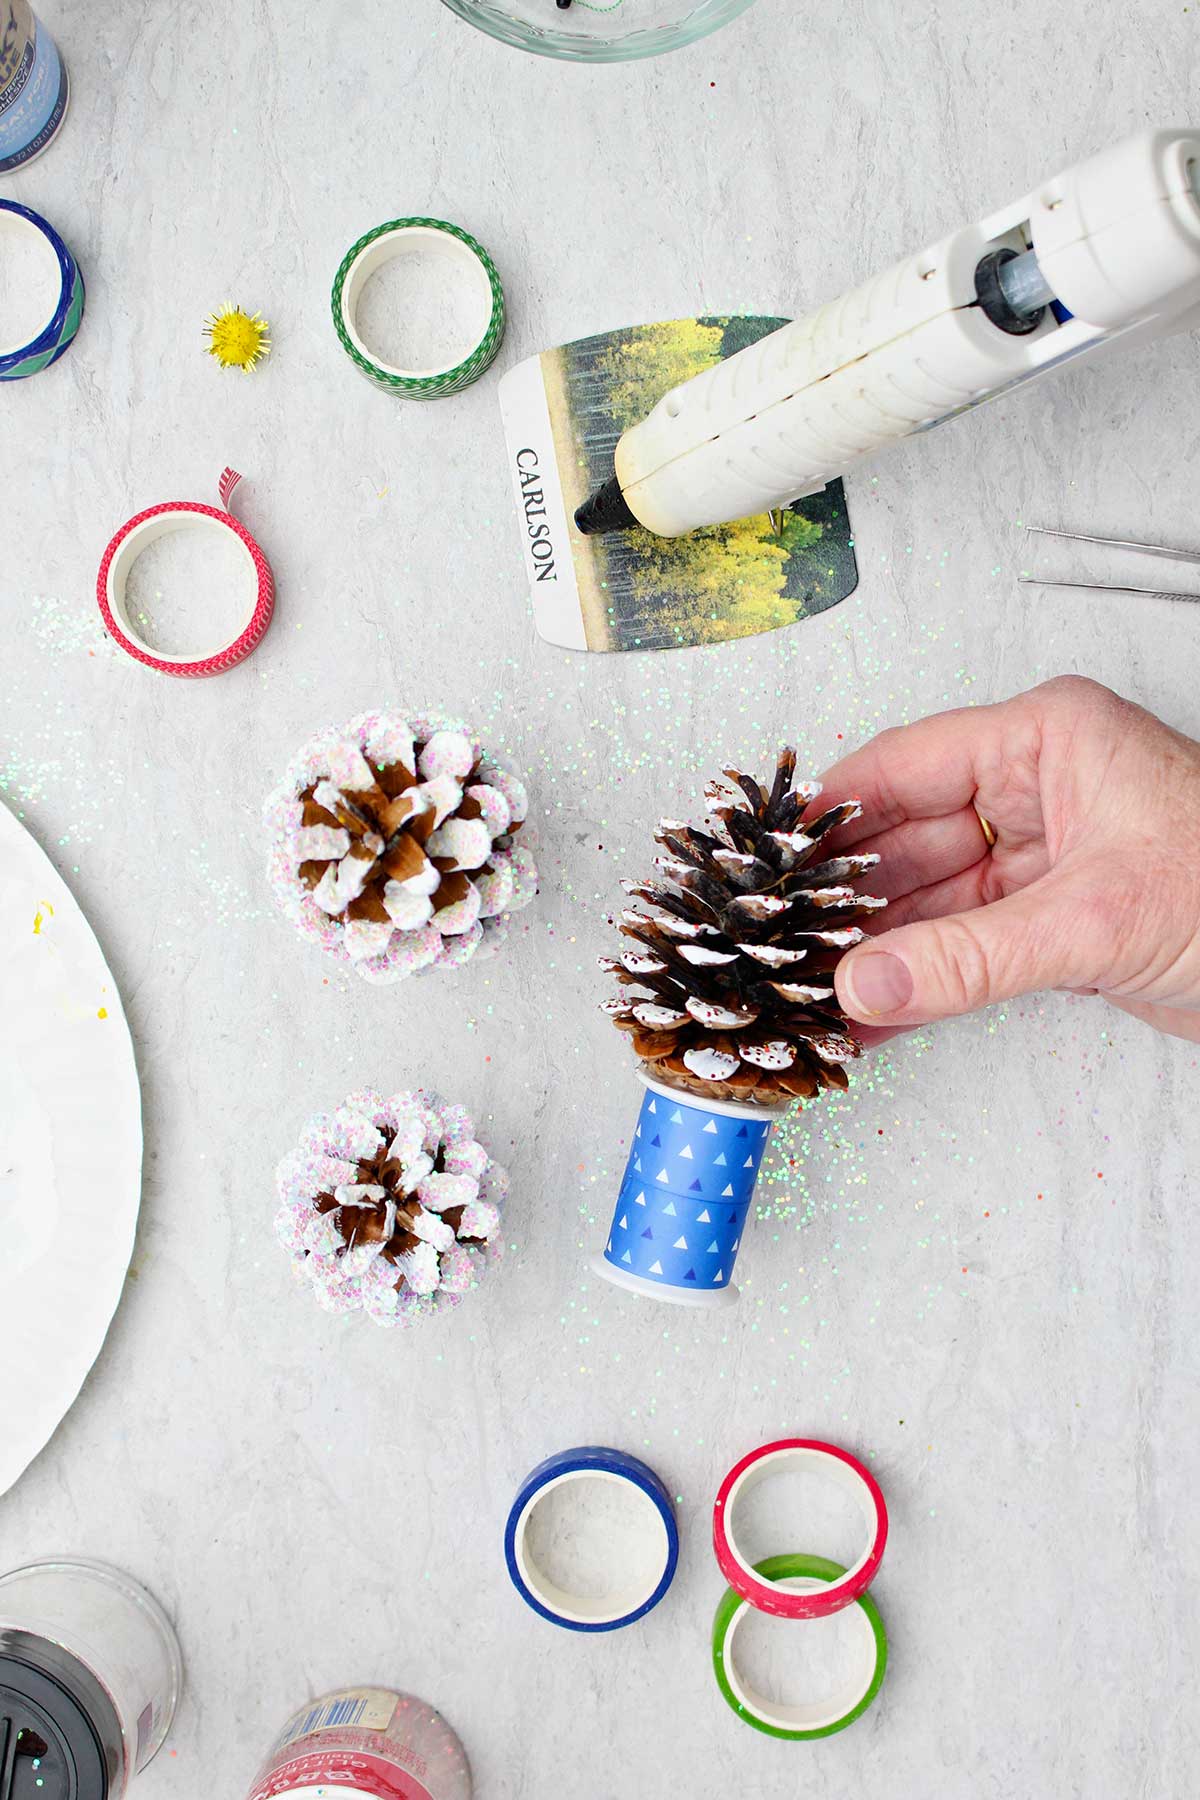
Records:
x=799, y=1456
x=137, y=535
x=810, y=1718
x=623, y=1603
x=472, y=265
x=685, y=1197
x=34, y=86
x=19, y=360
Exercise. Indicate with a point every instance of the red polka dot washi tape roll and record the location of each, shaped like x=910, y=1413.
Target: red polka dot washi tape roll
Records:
x=799, y=1456
x=136, y=535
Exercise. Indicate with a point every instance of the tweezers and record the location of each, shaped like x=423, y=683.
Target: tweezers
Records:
x=1113, y=587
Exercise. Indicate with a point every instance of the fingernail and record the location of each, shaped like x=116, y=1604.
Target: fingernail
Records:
x=879, y=983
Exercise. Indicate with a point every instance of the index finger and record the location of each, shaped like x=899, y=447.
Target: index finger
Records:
x=923, y=771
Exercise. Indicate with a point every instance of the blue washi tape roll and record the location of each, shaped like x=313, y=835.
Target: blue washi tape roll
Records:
x=19, y=360
x=623, y=1603
x=685, y=1196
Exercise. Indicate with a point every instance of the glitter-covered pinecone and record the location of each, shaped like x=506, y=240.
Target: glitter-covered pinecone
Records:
x=392, y=845
x=390, y=1206
x=735, y=961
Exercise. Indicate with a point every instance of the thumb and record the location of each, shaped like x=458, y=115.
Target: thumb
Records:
x=941, y=967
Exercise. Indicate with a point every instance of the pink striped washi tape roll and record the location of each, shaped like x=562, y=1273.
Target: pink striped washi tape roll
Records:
x=796, y=1456
x=136, y=535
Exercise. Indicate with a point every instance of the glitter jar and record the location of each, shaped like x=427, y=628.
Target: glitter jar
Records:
x=34, y=88
x=90, y=1673
x=365, y=1743
x=598, y=30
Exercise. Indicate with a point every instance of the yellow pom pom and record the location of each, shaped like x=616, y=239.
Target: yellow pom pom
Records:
x=237, y=339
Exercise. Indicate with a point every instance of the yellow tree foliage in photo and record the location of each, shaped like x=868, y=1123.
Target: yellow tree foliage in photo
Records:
x=725, y=582
x=651, y=361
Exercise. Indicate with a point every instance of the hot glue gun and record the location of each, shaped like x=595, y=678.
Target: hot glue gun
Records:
x=1109, y=250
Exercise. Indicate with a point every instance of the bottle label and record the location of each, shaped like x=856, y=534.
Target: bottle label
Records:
x=33, y=85
x=371, y=1776
x=16, y=36
x=358, y=1709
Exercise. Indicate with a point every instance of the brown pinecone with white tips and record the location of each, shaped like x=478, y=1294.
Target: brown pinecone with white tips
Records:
x=392, y=845
x=735, y=960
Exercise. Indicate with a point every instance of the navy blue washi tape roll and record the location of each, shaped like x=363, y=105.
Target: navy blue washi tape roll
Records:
x=685, y=1196
x=624, y=1602
x=19, y=360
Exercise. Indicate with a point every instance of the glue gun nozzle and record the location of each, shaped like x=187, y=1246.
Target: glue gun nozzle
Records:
x=606, y=510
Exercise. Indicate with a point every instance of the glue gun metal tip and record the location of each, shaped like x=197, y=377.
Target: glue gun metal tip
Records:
x=606, y=510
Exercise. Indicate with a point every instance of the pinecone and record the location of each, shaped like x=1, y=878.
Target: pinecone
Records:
x=393, y=845
x=737, y=958
x=390, y=1206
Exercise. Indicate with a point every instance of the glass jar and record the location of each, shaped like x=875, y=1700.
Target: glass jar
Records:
x=365, y=1743
x=598, y=30
x=91, y=1667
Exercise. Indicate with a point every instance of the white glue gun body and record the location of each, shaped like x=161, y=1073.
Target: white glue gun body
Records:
x=1109, y=250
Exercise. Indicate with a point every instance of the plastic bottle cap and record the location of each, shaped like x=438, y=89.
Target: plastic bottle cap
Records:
x=49, y=1747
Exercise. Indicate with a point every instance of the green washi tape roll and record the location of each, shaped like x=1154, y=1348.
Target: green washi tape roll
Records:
x=814, y=1718
x=407, y=237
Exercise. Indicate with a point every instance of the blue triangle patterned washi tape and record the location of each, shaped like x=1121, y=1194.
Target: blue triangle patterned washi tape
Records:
x=682, y=1205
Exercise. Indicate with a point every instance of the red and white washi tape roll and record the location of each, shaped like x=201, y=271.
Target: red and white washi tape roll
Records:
x=810, y=1457
x=137, y=535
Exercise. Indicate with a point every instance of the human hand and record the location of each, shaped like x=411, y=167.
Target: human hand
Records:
x=1093, y=883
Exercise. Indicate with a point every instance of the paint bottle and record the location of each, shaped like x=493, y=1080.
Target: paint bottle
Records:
x=34, y=86
x=90, y=1673
x=365, y=1743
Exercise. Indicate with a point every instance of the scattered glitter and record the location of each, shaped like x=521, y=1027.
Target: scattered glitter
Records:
x=867, y=1202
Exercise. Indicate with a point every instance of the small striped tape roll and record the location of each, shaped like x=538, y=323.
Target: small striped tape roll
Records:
x=624, y=1602
x=19, y=360
x=136, y=535
x=812, y=1718
x=407, y=237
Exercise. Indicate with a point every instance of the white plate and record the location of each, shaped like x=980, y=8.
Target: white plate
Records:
x=70, y=1149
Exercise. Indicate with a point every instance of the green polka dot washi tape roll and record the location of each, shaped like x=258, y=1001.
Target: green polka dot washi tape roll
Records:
x=482, y=292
